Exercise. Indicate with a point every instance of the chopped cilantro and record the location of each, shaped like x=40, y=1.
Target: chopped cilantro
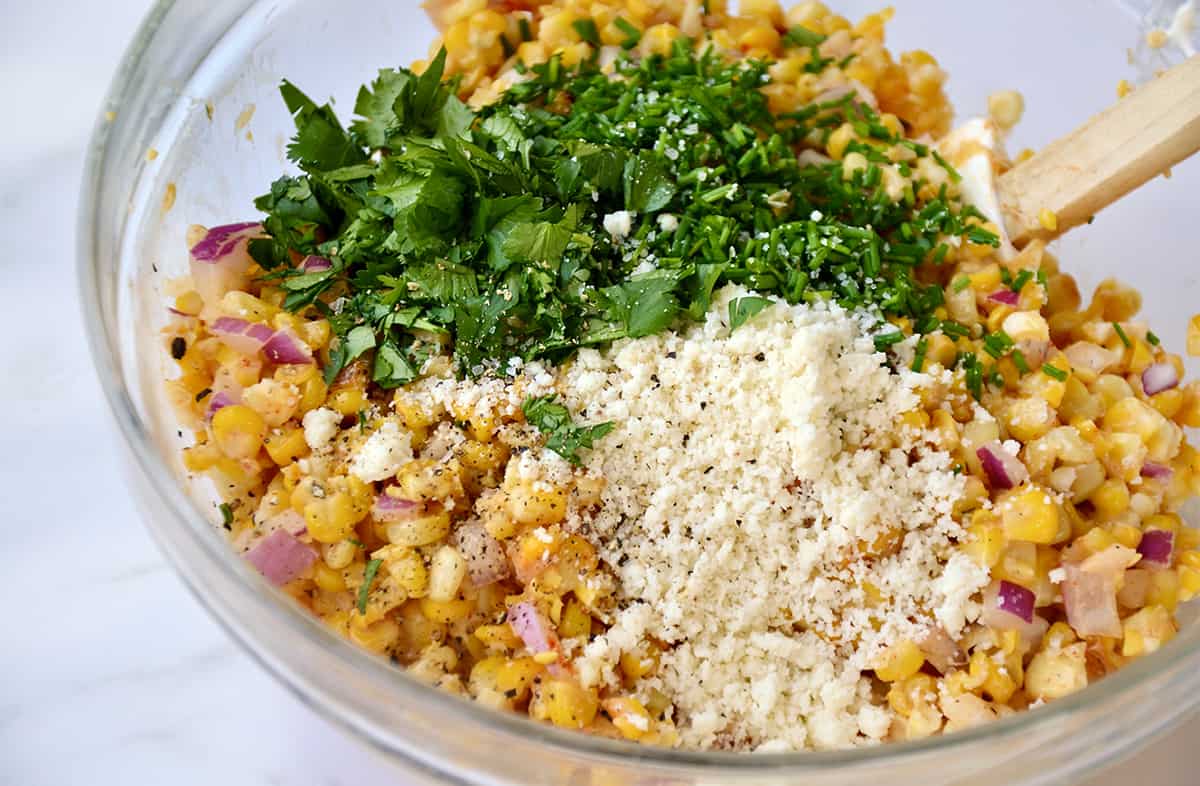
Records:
x=484, y=231
x=562, y=435
x=365, y=590
x=743, y=308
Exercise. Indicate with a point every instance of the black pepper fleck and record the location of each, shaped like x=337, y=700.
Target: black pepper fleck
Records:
x=178, y=347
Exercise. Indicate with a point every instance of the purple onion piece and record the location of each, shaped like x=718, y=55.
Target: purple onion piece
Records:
x=221, y=240
x=1159, y=377
x=1016, y=600
x=1156, y=471
x=1156, y=548
x=1003, y=469
x=1005, y=296
x=281, y=557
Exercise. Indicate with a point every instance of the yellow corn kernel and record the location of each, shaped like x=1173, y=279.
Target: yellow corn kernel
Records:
x=659, y=39
x=986, y=543
x=238, y=431
x=629, y=716
x=1126, y=534
x=517, y=676
x=312, y=394
x=1111, y=499
x=1124, y=88
x=1056, y=672
x=576, y=622
x=838, y=140
x=635, y=665
x=1006, y=108
x=331, y=519
x=328, y=579
x=1115, y=302
x=376, y=636
x=339, y=555
x=497, y=637
x=286, y=445
x=1163, y=590
x=568, y=704
x=200, y=458
x=1189, y=581
x=428, y=480
x=1168, y=522
x=1030, y=516
x=759, y=40
x=347, y=401
x=243, y=305
x=941, y=349
x=900, y=661
x=189, y=303
x=536, y=504
x=446, y=612
x=1146, y=631
x=421, y=530
x=447, y=570
x=1048, y=219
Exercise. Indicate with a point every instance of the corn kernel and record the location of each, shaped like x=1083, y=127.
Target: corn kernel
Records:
x=900, y=661
x=1030, y=516
x=238, y=431
x=1048, y=219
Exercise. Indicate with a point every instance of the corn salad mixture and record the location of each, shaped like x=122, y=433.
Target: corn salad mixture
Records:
x=372, y=373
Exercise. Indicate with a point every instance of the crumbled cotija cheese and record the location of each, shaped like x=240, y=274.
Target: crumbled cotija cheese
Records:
x=383, y=454
x=745, y=475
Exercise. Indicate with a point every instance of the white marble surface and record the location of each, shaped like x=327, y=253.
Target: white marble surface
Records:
x=109, y=671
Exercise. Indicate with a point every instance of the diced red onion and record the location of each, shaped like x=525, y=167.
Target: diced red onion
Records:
x=1159, y=377
x=532, y=627
x=218, y=263
x=313, y=264
x=1156, y=548
x=219, y=400
x=1092, y=357
x=281, y=557
x=1016, y=600
x=285, y=349
x=1004, y=470
x=486, y=561
x=241, y=336
x=1156, y=471
x=1005, y=296
x=388, y=508
x=1091, y=602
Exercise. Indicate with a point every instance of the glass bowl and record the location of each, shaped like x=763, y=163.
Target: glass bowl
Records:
x=198, y=87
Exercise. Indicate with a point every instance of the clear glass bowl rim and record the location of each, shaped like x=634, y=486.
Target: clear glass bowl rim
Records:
x=1172, y=661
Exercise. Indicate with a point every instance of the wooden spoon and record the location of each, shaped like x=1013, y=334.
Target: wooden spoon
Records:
x=1141, y=136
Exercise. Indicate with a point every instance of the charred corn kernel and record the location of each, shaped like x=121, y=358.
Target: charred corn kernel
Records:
x=447, y=570
x=838, y=140
x=1056, y=672
x=446, y=612
x=629, y=716
x=517, y=676
x=1006, y=108
x=568, y=704
x=420, y=530
x=1030, y=516
x=238, y=431
x=331, y=519
x=286, y=445
x=376, y=636
x=900, y=661
x=1146, y=630
x=328, y=579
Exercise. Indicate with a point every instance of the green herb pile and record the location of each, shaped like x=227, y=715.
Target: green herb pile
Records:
x=484, y=231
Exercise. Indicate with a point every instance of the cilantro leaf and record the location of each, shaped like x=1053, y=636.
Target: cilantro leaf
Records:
x=364, y=592
x=562, y=435
x=648, y=187
x=320, y=141
x=743, y=308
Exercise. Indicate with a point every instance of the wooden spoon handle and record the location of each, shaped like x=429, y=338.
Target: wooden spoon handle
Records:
x=1141, y=136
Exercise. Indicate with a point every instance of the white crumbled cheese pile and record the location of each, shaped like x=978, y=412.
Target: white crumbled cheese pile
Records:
x=743, y=475
x=383, y=454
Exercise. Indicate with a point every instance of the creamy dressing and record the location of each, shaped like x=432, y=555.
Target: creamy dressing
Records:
x=973, y=148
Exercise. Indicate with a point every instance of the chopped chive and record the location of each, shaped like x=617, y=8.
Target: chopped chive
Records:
x=919, y=356
x=1153, y=339
x=885, y=340
x=1019, y=361
x=365, y=590
x=632, y=34
x=587, y=31
x=525, y=29
x=226, y=515
x=944, y=164
x=1021, y=280
x=1054, y=372
x=997, y=344
x=1121, y=335
x=961, y=283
